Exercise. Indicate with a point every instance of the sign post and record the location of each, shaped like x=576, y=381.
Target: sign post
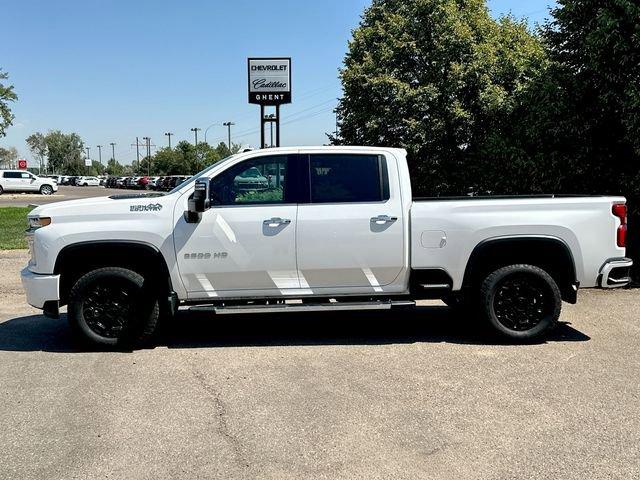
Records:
x=269, y=85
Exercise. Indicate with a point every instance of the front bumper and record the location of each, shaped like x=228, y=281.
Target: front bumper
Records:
x=39, y=288
x=615, y=273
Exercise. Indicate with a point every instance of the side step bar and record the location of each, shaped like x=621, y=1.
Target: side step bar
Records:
x=304, y=307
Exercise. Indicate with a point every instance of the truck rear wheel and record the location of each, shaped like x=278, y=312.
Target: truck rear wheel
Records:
x=112, y=306
x=521, y=302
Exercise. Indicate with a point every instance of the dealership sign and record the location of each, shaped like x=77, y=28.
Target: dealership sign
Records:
x=269, y=80
x=22, y=164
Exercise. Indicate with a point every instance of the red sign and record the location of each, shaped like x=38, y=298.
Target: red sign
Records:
x=22, y=164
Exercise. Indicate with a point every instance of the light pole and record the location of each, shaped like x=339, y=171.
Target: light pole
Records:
x=195, y=130
x=168, y=134
x=113, y=151
x=99, y=153
x=228, y=125
x=207, y=129
x=89, y=157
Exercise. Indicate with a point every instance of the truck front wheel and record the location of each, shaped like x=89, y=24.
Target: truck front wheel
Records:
x=113, y=306
x=521, y=302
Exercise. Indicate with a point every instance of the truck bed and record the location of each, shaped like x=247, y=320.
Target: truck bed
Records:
x=445, y=230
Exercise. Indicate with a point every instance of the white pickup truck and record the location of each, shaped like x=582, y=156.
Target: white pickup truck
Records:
x=317, y=228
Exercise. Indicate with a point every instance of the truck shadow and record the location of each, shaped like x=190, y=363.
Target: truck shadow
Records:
x=429, y=324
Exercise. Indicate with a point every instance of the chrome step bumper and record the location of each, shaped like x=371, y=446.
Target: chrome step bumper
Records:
x=615, y=273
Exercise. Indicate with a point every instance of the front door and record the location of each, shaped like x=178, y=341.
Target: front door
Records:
x=351, y=233
x=244, y=244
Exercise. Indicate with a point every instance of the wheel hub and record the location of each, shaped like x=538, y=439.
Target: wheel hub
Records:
x=107, y=309
x=520, y=302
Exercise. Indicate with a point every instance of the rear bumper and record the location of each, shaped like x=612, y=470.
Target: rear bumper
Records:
x=615, y=273
x=40, y=289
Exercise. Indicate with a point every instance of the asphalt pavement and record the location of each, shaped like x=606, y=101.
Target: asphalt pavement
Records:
x=10, y=199
x=411, y=395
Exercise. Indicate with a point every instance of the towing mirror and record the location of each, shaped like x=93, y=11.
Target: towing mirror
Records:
x=201, y=196
x=199, y=201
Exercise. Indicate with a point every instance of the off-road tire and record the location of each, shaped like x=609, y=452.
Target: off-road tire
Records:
x=113, y=307
x=521, y=302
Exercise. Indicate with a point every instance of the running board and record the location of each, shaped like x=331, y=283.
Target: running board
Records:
x=303, y=307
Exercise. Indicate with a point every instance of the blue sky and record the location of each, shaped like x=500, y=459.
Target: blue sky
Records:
x=111, y=70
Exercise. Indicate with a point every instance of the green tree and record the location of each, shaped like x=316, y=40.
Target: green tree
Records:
x=65, y=153
x=6, y=95
x=114, y=168
x=437, y=77
x=8, y=157
x=38, y=146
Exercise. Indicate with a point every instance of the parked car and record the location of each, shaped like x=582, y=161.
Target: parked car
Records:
x=251, y=179
x=342, y=232
x=23, y=181
x=87, y=181
x=143, y=183
x=155, y=183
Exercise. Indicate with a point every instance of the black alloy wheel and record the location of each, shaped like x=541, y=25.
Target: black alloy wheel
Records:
x=113, y=306
x=521, y=302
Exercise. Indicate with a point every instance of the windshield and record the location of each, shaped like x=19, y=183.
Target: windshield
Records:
x=199, y=174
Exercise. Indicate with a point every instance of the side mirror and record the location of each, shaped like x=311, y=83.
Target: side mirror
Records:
x=199, y=201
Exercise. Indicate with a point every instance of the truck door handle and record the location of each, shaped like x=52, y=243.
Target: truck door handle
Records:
x=382, y=219
x=276, y=222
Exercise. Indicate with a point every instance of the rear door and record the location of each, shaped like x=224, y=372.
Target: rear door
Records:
x=350, y=235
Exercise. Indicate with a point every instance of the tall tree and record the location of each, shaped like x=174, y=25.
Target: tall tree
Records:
x=6, y=95
x=437, y=77
x=65, y=152
x=8, y=156
x=38, y=146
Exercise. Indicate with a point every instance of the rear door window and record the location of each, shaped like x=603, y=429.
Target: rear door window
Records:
x=12, y=175
x=348, y=178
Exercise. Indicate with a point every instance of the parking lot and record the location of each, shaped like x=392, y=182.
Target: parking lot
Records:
x=64, y=193
x=405, y=395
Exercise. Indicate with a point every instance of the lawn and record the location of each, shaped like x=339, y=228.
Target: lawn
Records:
x=13, y=223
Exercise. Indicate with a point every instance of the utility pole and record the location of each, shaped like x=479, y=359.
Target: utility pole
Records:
x=228, y=125
x=168, y=134
x=137, y=154
x=88, y=167
x=113, y=151
x=148, y=144
x=99, y=153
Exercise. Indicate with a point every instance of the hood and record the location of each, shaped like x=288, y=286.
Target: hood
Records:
x=115, y=204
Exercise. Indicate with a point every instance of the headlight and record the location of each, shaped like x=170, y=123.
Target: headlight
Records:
x=37, y=222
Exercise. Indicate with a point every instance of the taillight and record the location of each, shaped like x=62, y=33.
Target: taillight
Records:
x=620, y=211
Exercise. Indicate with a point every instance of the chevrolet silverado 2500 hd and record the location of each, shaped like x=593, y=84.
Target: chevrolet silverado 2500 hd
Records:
x=317, y=228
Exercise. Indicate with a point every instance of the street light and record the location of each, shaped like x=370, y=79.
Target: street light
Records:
x=207, y=129
x=168, y=134
x=113, y=151
x=195, y=130
x=99, y=153
x=228, y=125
